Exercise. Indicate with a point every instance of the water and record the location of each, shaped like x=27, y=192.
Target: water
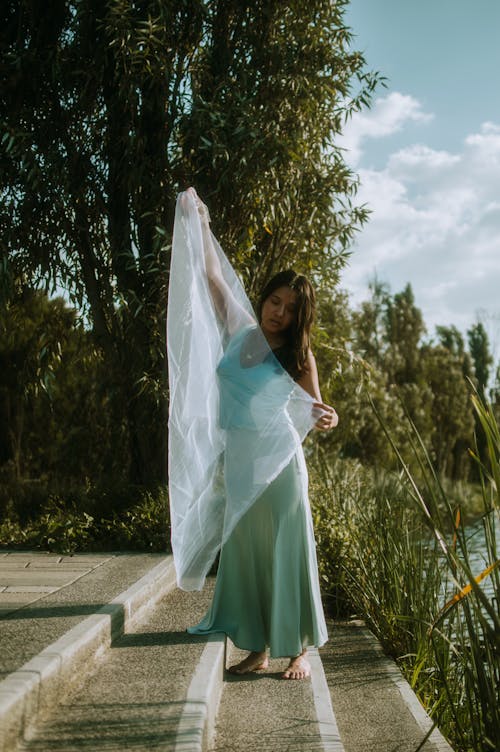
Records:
x=478, y=553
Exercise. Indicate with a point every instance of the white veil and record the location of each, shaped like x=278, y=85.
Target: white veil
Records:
x=236, y=417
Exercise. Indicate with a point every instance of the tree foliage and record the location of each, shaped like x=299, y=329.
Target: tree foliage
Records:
x=32, y=334
x=381, y=355
x=481, y=356
x=59, y=429
x=108, y=109
x=482, y=361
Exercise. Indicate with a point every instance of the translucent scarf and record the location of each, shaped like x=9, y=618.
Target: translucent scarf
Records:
x=236, y=417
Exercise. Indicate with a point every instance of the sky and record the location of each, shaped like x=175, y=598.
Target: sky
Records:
x=428, y=156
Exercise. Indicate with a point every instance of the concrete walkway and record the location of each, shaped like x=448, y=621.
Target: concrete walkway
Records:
x=375, y=707
x=94, y=655
x=261, y=711
x=27, y=577
x=134, y=694
x=44, y=595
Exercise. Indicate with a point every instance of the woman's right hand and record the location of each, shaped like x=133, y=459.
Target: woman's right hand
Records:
x=328, y=417
x=202, y=208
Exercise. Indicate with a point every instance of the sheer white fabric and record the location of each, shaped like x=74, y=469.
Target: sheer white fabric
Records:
x=236, y=417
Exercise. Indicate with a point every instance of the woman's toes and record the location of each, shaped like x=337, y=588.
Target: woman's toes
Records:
x=298, y=669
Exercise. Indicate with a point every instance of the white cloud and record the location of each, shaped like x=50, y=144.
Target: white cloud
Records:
x=388, y=116
x=486, y=142
x=435, y=223
x=418, y=159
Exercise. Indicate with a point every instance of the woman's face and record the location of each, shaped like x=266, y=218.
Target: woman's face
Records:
x=279, y=311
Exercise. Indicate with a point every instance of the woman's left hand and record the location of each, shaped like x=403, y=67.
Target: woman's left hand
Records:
x=328, y=420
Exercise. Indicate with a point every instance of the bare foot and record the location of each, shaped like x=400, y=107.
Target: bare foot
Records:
x=298, y=668
x=253, y=662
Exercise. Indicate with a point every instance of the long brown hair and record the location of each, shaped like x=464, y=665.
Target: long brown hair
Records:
x=293, y=354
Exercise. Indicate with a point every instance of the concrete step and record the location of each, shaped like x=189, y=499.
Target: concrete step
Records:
x=130, y=676
x=42, y=596
x=155, y=688
x=37, y=686
x=376, y=709
x=151, y=685
x=261, y=711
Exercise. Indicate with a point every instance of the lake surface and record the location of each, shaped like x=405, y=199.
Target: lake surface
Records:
x=478, y=552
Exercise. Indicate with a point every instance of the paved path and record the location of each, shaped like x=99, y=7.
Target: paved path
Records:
x=44, y=595
x=27, y=577
x=133, y=695
x=94, y=655
x=376, y=709
x=263, y=712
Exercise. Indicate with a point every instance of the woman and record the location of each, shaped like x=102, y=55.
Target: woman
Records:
x=267, y=591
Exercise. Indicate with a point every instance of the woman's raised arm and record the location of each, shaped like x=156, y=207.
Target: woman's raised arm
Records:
x=228, y=309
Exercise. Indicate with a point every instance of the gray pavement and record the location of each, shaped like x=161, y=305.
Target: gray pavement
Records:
x=133, y=696
x=261, y=711
x=43, y=596
x=156, y=687
x=375, y=708
x=28, y=576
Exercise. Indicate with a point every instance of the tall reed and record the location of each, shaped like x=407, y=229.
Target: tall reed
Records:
x=406, y=564
x=465, y=632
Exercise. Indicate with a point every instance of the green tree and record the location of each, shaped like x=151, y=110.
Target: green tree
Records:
x=479, y=348
x=108, y=109
x=450, y=409
x=33, y=331
x=350, y=374
x=369, y=323
x=495, y=393
x=404, y=329
x=61, y=432
x=429, y=380
x=451, y=338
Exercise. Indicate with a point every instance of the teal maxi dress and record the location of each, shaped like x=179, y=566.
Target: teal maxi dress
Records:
x=267, y=593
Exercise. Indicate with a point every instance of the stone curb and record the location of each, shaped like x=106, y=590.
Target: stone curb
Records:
x=328, y=729
x=422, y=719
x=196, y=729
x=42, y=681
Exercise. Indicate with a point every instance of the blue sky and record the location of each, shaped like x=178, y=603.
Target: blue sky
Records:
x=428, y=154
